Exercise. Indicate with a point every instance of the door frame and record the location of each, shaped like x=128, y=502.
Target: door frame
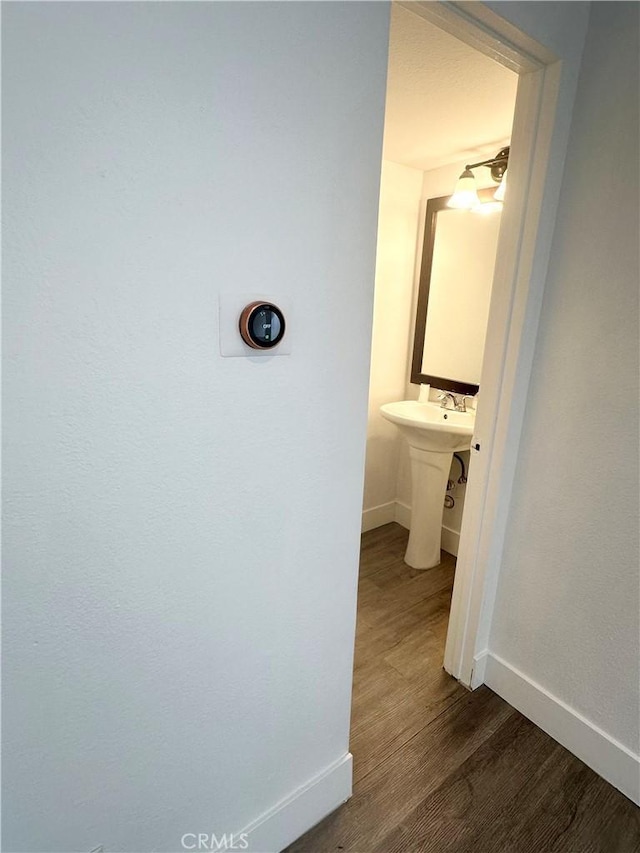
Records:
x=538, y=148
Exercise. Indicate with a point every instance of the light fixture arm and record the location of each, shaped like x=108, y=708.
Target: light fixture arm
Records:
x=465, y=195
x=497, y=164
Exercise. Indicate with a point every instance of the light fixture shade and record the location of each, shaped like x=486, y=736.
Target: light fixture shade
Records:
x=465, y=196
x=500, y=192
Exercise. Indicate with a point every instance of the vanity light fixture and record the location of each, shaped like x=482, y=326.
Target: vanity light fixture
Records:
x=500, y=192
x=465, y=196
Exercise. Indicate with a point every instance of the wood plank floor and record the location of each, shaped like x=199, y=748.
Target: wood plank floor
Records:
x=437, y=768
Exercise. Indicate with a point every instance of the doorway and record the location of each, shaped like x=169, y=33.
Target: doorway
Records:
x=522, y=254
x=447, y=106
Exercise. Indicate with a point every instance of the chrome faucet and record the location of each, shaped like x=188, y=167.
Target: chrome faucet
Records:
x=445, y=397
x=458, y=401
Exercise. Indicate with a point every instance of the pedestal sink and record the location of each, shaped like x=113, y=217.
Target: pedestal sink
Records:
x=434, y=434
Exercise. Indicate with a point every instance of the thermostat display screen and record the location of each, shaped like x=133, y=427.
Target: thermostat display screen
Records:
x=266, y=325
x=261, y=325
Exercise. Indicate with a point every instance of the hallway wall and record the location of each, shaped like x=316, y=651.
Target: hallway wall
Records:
x=568, y=603
x=181, y=530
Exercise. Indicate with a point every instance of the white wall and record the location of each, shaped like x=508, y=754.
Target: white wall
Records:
x=398, y=225
x=568, y=602
x=557, y=26
x=178, y=628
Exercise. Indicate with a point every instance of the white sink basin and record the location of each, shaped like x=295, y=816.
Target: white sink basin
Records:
x=434, y=434
x=427, y=426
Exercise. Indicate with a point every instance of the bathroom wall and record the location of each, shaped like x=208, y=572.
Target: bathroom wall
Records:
x=566, y=616
x=398, y=225
x=181, y=530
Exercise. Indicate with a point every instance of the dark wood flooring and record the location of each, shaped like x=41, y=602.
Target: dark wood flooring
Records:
x=437, y=768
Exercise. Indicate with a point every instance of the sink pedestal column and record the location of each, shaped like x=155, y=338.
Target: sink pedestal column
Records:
x=429, y=475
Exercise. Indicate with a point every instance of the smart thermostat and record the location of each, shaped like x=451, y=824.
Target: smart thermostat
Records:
x=262, y=325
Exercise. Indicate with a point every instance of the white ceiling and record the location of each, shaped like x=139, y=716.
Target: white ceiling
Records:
x=445, y=101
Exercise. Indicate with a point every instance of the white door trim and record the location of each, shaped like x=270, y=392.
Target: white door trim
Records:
x=539, y=144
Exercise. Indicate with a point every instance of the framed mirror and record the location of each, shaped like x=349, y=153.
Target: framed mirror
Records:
x=456, y=276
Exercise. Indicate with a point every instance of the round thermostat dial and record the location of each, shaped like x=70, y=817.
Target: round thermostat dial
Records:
x=262, y=325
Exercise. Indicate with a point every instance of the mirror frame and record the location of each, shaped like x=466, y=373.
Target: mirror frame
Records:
x=434, y=206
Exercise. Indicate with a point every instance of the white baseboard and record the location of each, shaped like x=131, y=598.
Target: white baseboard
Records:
x=385, y=514
x=378, y=515
x=478, y=672
x=603, y=753
x=287, y=820
x=401, y=513
x=450, y=540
